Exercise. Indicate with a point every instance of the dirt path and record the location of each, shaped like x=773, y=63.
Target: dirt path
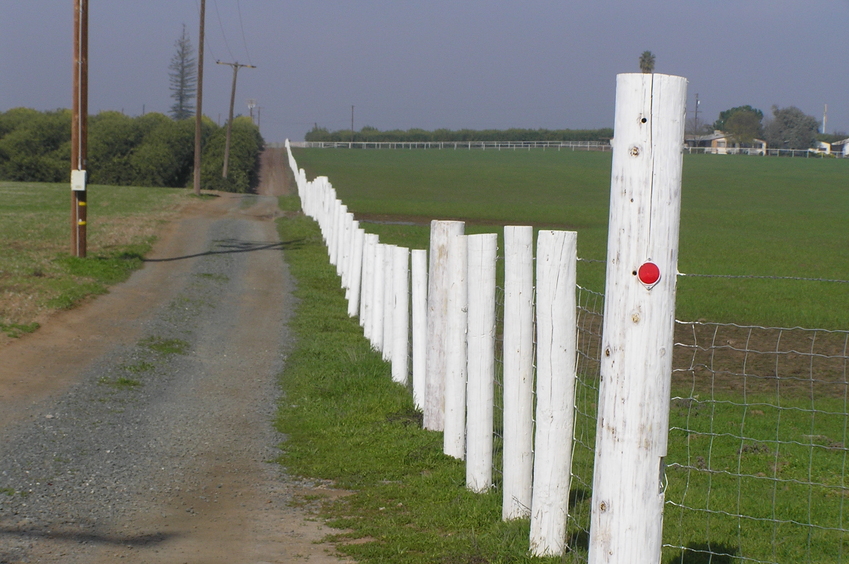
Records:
x=139, y=427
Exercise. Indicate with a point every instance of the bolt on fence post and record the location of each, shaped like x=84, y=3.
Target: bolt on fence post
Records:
x=437, y=308
x=518, y=362
x=556, y=315
x=639, y=317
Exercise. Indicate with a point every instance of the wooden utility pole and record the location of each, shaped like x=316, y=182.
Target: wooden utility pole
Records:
x=236, y=67
x=199, y=110
x=79, y=130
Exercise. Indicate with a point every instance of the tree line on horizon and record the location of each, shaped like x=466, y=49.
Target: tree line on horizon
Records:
x=148, y=150
x=786, y=128
x=373, y=135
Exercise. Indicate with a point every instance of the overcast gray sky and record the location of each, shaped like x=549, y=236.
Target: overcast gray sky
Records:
x=456, y=64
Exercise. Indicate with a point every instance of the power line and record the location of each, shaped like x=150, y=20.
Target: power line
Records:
x=223, y=35
x=242, y=27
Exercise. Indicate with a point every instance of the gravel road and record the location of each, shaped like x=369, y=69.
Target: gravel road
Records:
x=140, y=427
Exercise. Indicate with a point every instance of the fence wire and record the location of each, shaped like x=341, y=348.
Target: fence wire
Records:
x=758, y=445
x=590, y=316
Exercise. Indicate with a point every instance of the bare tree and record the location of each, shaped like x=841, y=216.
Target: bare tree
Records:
x=647, y=62
x=183, y=78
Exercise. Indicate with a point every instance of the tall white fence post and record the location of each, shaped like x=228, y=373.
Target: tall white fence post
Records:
x=346, y=252
x=355, y=280
x=377, y=301
x=437, y=322
x=481, y=363
x=454, y=438
x=388, y=301
x=401, y=320
x=367, y=294
x=518, y=361
x=556, y=314
x=639, y=318
x=419, y=315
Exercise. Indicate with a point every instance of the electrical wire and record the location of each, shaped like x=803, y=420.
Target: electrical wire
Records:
x=242, y=27
x=224, y=35
x=206, y=39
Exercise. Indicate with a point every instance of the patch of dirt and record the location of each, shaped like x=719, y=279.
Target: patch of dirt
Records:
x=275, y=176
x=715, y=358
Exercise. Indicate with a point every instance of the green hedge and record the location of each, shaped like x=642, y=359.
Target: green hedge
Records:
x=150, y=150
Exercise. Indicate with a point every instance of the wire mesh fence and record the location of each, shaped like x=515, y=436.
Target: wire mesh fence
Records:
x=758, y=445
x=590, y=314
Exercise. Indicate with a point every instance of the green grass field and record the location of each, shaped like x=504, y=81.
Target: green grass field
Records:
x=740, y=216
x=756, y=463
x=752, y=476
x=37, y=273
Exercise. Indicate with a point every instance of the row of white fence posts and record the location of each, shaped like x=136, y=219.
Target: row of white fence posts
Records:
x=453, y=336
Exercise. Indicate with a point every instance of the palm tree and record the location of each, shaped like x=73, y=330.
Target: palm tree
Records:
x=647, y=62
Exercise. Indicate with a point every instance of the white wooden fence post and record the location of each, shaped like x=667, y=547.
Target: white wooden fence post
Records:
x=309, y=192
x=518, y=359
x=388, y=301
x=481, y=363
x=377, y=298
x=454, y=439
x=437, y=324
x=639, y=318
x=346, y=246
x=367, y=294
x=356, y=275
x=401, y=321
x=339, y=235
x=419, y=315
x=332, y=234
x=556, y=314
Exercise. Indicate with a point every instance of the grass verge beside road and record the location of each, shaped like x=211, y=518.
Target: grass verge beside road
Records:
x=37, y=273
x=346, y=421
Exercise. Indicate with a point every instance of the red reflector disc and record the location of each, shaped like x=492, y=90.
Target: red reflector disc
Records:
x=649, y=274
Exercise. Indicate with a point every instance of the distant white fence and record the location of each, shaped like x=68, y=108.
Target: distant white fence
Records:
x=603, y=146
x=454, y=145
